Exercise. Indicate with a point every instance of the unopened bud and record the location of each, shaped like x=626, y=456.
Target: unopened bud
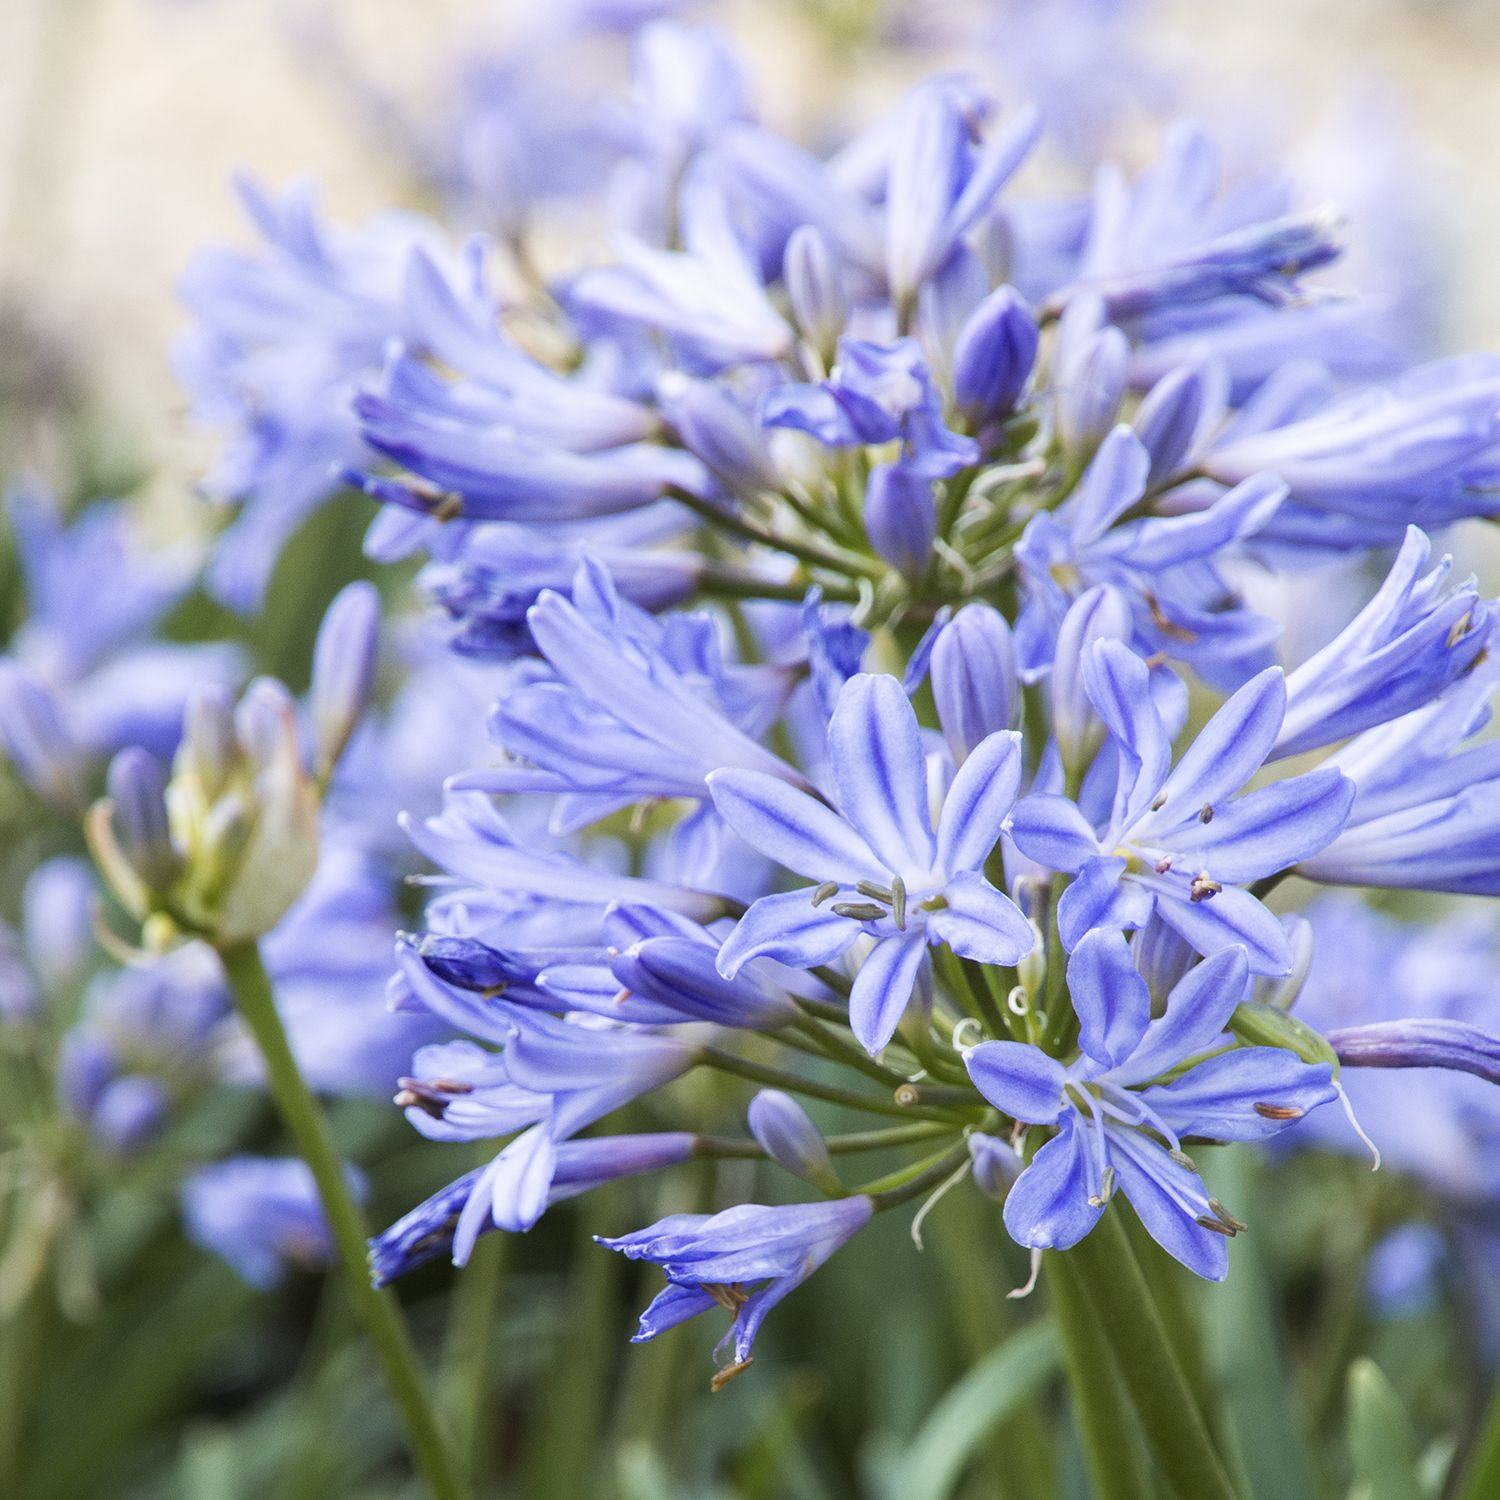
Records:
x=900, y=517
x=993, y=358
x=343, y=675
x=973, y=675
x=815, y=288
x=715, y=428
x=137, y=792
x=790, y=1139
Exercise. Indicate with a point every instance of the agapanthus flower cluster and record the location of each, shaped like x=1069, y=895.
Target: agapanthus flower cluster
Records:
x=858, y=552
x=864, y=743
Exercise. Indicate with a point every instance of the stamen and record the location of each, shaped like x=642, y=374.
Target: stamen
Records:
x=960, y=1030
x=1159, y=802
x=898, y=903
x=1358, y=1128
x=1223, y=1215
x=1031, y=1281
x=906, y=1096
x=858, y=911
x=1018, y=1002
x=1205, y=1221
x=1164, y=864
x=1106, y=1189
x=1279, y=1111
x=1206, y=813
x=943, y=1189
x=825, y=892
x=1183, y=1159
x=875, y=892
x=728, y=1373
x=730, y=1296
x=1202, y=887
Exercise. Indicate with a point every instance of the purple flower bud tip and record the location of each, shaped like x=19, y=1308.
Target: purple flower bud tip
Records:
x=993, y=358
x=790, y=1138
x=137, y=788
x=344, y=661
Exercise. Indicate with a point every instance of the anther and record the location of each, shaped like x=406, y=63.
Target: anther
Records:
x=1225, y=1217
x=825, y=892
x=1164, y=864
x=1203, y=1221
x=898, y=903
x=874, y=892
x=1279, y=1111
x=1202, y=887
x=1183, y=1160
x=1206, y=813
x=728, y=1373
x=858, y=911
x=1106, y=1189
x=1159, y=802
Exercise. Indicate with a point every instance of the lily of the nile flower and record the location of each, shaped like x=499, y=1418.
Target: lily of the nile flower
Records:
x=262, y=1215
x=283, y=337
x=1118, y=1127
x=627, y=707
x=940, y=184
x=93, y=594
x=1425, y=450
x=1178, y=842
x=881, y=872
x=970, y=661
x=708, y=297
x=1409, y=643
x=430, y=1229
x=1427, y=813
x=744, y=1260
x=1164, y=565
x=876, y=393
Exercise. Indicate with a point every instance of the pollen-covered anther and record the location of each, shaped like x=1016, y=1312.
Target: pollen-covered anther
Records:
x=1234, y=1225
x=875, y=892
x=898, y=903
x=859, y=911
x=728, y=1373
x=1202, y=887
x=1206, y=813
x=1106, y=1189
x=1164, y=864
x=1204, y=1221
x=825, y=892
x=1279, y=1111
x=1183, y=1160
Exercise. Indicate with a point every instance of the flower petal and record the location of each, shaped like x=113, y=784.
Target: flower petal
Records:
x=1227, y=752
x=880, y=771
x=1244, y=1095
x=1198, y=1010
x=1109, y=996
x=1051, y=830
x=882, y=989
x=1049, y=1208
x=1167, y=1199
x=982, y=793
x=792, y=828
x=1118, y=683
x=1222, y=920
x=788, y=928
x=981, y=923
x=1098, y=897
x=1019, y=1079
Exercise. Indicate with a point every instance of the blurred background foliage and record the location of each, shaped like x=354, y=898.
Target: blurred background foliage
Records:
x=154, y=1372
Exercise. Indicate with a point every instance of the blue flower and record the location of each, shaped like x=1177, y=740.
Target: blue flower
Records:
x=1410, y=642
x=716, y=1260
x=876, y=393
x=262, y=1215
x=1177, y=841
x=1164, y=565
x=1118, y=1126
x=879, y=868
x=1426, y=814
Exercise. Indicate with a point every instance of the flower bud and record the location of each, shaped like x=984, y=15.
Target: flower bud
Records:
x=34, y=739
x=973, y=676
x=343, y=675
x=137, y=791
x=790, y=1139
x=994, y=356
x=1173, y=414
x=815, y=288
x=1092, y=363
x=128, y=1113
x=1100, y=614
x=995, y=1164
x=682, y=973
x=207, y=751
x=714, y=427
x=900, y=517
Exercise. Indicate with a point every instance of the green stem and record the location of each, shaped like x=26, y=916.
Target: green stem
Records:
x=378, y=1310
x=1099, y=1408
x=1112, y=1281
x=779, y=1078
x=1481, y=1470
x=466, y=1354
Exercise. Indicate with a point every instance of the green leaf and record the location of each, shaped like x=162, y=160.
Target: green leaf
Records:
x=936, y=1457
x=1382, y=1446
